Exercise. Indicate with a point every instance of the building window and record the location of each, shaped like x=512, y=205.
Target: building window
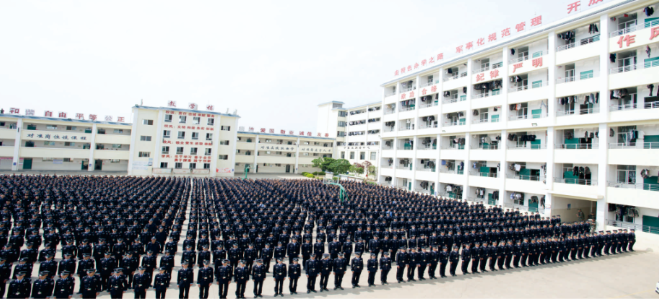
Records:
x=168, y=118
x=211, y=121
x=224, y=157
x=117, y=131
x=148, y=122
x=225, y=128
x=193, y=151
x=196, y=120
x=145, y=138
x=115, y=160
x=116, y=146
x=69, y=144
x=67, y=160
x=181, y=135
x=207, y=152
x=163, y=164
x=178, y=165
x=207, y=166
x=343, y=155
x=193, y=165
x=373, y=155
x=268, y=140
x=70, y=128
x=224, y=142
x=352, y=155
x=51, y=127
x=209, y=136
x=144, y=154
x=195, y=135
x=179, y=150
x=166, y=133
x=182, y=119
x=165, y=150
x=49, y=143
x=362, y=155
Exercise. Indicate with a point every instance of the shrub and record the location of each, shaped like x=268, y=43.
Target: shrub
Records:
x=309, y=175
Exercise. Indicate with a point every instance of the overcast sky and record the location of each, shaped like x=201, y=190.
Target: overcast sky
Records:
x=273, y=61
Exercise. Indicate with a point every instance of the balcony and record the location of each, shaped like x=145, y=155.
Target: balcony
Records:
x=452, y=171
x=633, y=28
x=582, y=42
x=427, y=126
x=405, y=147
x=592, y=110
x=388, y=111
x=427, y=147
x=452, y=99
x=578, y=146
x=634, y=75
x=634, y=154
x=525, y=183
x=483, y=179
x=492, y=93
x=582, y=84
x=639, y=195
x=461, y=122
x=407, y=108
x=428, y=104
x=535, y=114
x=53, y=152
x=484, y=174
x=580, y=50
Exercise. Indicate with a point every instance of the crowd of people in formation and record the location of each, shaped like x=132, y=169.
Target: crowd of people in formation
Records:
x=120, y=233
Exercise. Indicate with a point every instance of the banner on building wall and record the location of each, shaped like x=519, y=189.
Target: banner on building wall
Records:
x=181, y=171
x=162, y=170
x=223, y=170
x=201, y=171
x=140, y=165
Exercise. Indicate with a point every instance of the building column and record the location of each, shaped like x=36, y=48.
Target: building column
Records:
x=604, y=100
x=414, y=168
x=17, y=145
x=503, y=148
x=232, y=157
x=505, y=87
x=297, y=154
x=92, y=148
x=551, y=79
x=160, y=123
x=394, y=179
x=602, y=172
x=466, y=190
x=256, y=155
x=438, y=162
x=549, y=174
x=215, y=149
x=133, y=136
x=470, y=93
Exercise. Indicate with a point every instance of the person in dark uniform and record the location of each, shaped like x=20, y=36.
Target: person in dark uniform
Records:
x=49, y=265
x=294, y=273
x=401, y=263
x=266, y=255
x=423, y=261
x=258, y=276
x=339, y=270
x=279, y=275
x=106, y=268
x=204, y=279
x=475, y=257
x=20, y=287
x=91, y=286
x=312, y=268
x=372, y=268
x=64, y=286
x=454, y=257
x=184, y=279
x=412, y=261
x=149, y=263
x=43, y=287
x=325, y=269
x=167, y=262
x=356, y=266
x=116, y=285
x=385, y=267
x=223, y=275
x=241, y=276
x=141, y=282
x=5, y=271
x=466, y=258
x=161, y=283
x=433, y=259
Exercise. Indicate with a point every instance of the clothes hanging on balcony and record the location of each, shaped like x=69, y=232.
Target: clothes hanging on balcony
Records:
x=651, y=87
x=645, y=173
x=612, y=57
x=568, y=35
x=447, y=94
x=464, y=90
x=647, y=50
x=648, y=11
x=516, y=79
x=450, y=71
x=475, y=112
x=512, y=51
x=495, y=195
x=592, y=28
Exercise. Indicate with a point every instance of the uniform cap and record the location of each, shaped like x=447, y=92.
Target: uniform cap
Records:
x=295, y=259
x=259, y=261
x=65, y=272
x=206, y=262
x=43, y=273
x=162, y=269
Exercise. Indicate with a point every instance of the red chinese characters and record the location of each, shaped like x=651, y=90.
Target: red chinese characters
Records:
x=423, y=92
x=432, y=60
x=654, y=33
x=272, y=131
x=171, y=104
x=520, y=26
x=301, y=133
x=62, y=114
x=402, y=70
x=93, y=116
x=48, y=113
x=319, y=135
x=291, y=132
x=440, y=56
x=402, y=96
x=458, y=49
x=505, y=32
x=517, y=65
x=209, y=107
x=308, y=133
x=593, y=2
x=537, y=62
x=409, y=68
x=326, y=134
x=411, y=94
x=469, y=45
x=396, y=73
x=416, y=65
x=14, y=110
x=262, y=130
x=480, y=77
x=433, y=88
x=494, y=74
x=573, y=6
x=480, y=41
x=627, y=39
x=492, y=37
x=423, y=62
x=80, y=116
x=282, y=131
x=536, y=21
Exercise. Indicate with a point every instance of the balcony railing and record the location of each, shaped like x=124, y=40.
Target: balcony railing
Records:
x=484, y=174
x=455, y=146
x=406, y=108
x=404, y=167
x=583, y=41
x=641, y=186
x=486, y=94
x=592, y=110
x=429, y=83
x=616, y=107
x=405, y=147
x=524, y=56
x=406, y=128
x=524, y=177
x=480, y=146
x=578, y=146
x=576, y=78
x=388, y=129
x=387, y=111
x=635, y=227
x=480, y=120
x=634, y=145
x=450, y=99
x=428, y=126
x=426, y=169
x=529, y=146
x=453, y=123
x=450, y=77
x=389, y=93
x=576, y=181
x=428, y=104
x=527, y=116
x=426, y=147
x=406, y=89
x=451, y=171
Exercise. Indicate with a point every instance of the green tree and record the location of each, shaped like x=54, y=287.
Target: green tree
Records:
x=323, y=163
x=339, y=166
x=372, y=170
x=359, y=170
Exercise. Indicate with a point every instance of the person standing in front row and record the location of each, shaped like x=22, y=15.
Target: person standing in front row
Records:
x=223, y=275
x=204, y=279
x=258, y=275
x=385, y=266
x=294, y=272
x=279, y=275
x=312, y=272
x=241, y=276
x=184, y=279
x=161, y=283
x=356, y=266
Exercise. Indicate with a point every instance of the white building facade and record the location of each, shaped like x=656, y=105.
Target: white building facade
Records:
x=556, y=121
